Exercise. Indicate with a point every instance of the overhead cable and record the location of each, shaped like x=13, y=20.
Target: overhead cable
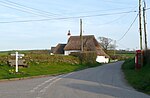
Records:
x=31, y=8
x=22, y=9
x=128, y=28
x=73, y=17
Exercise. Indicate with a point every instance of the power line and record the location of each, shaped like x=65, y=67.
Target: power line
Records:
x=128, y=28
x=110, y=1
x=22, y=9
x=19, y=17
x=109, y=22
x=92, y=11
x=74, y=17
x=35, y=9
x=26, y=9
x=117, y=18
x=114, y=19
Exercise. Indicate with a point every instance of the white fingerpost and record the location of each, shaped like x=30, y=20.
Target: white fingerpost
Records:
x=16, y=61
x=17, y=56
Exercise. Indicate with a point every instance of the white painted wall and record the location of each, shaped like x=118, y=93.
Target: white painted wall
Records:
x=102, y=59
x=69, y=51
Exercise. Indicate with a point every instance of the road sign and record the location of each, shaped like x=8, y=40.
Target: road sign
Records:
x=17, y=56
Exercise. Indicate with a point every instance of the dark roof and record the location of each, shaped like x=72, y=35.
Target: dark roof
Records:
x=59, y=49
x=89, y=44
x=52, y=49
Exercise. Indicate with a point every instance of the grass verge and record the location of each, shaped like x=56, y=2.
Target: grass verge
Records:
x=40, y=63
x=139, y=79
x=38, y=69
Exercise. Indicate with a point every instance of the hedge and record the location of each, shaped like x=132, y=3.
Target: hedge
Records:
x=146, y=57
x=86, y=57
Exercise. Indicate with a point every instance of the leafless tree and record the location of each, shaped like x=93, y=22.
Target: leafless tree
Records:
x=107, y=43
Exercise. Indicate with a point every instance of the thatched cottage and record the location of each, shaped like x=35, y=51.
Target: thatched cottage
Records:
x=59, y=49
x=89, y=44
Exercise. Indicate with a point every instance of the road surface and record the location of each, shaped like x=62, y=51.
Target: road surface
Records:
x=100, y=82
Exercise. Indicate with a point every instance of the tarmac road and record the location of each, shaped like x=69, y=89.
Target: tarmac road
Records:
x=105, y=81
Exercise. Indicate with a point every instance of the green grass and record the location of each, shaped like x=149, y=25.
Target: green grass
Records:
x=139, y=79
x=50, y=69
x=130, y=55
x=41, y=64
x=121, y=55
x=7, y=72
x=4, y=53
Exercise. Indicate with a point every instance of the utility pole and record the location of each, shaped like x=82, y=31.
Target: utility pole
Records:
x=81, y=36
x=114, y=47
x=140, y=24
x=144, y=21
x=140, y=30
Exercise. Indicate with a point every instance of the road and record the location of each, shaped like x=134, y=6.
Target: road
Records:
x=105, y=81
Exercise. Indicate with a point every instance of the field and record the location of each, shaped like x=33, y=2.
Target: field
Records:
x=120, y=54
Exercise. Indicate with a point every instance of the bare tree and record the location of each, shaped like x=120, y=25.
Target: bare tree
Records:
x=107, y=43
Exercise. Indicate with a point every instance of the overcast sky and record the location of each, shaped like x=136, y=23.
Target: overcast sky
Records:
x=40, y=24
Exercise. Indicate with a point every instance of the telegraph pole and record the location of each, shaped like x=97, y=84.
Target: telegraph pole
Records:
x=144, y=21
x=81, y=36
x=140, y=30
x=140, y=24
x=114, y=47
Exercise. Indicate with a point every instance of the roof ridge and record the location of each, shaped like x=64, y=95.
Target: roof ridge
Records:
x=82, y=35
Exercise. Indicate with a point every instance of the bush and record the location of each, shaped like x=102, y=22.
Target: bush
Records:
x=86, y=57
x=51, y=58
x=146, y=57
x=129, y=64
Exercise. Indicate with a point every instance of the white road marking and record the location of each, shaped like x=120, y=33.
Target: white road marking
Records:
x=44, y=89
x=40, y=85
x=52, y=81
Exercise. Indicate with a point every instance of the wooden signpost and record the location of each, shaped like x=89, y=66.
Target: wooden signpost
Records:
x=17, y=56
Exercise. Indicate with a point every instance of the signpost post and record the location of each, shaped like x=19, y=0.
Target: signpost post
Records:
x=17, y=56
x=16, y=61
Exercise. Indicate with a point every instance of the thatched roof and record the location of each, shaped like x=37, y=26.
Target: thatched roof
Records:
x=101, y=52
x=89, y=44
x=59, y=49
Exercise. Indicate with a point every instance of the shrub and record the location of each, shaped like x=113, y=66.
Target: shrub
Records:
x=43, y=58
x=86, y=57
x=51, y=58
x=146, y=57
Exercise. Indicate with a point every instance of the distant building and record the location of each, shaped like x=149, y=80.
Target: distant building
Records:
x=52, y=50
x=89, y=44
x=59, y=49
